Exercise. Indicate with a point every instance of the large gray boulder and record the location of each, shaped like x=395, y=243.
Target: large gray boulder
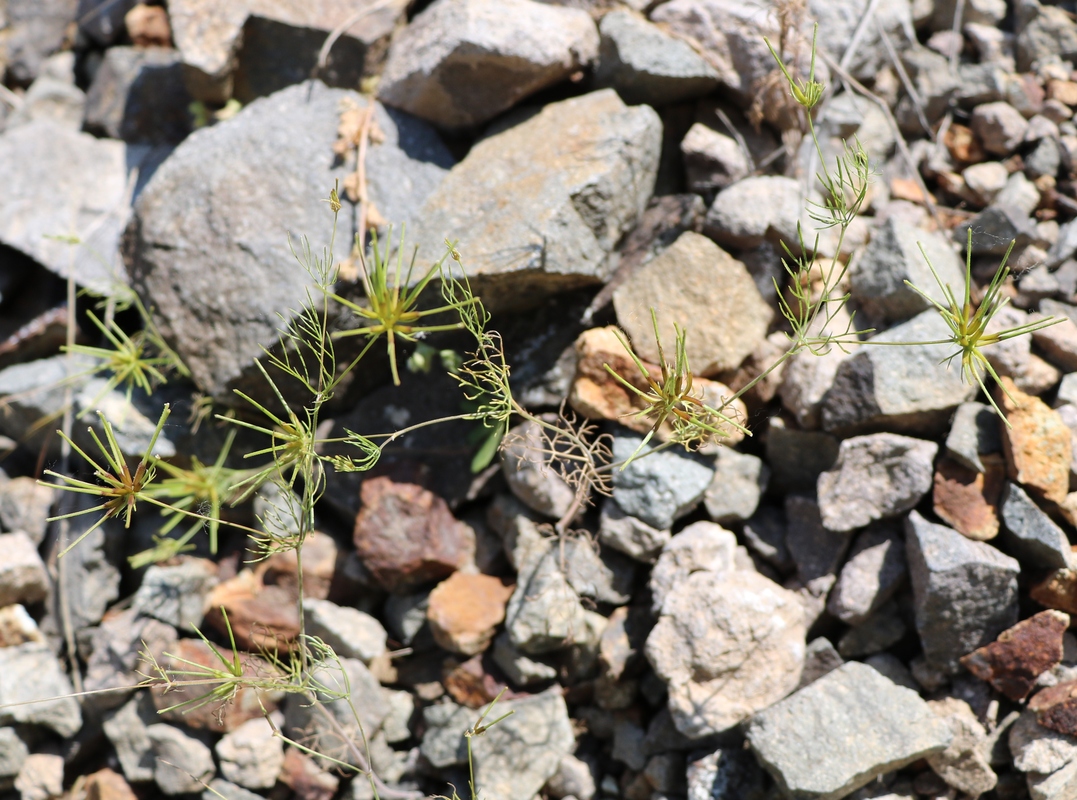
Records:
x=964, y=592
x=209, y=246
x=537, y=208
x=462, y=62
x=843, y=730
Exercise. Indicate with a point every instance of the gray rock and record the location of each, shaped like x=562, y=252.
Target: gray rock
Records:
x=397, y=725
x=1020, y=194
x=462, y=62
x=116, y=658
x=219, y=787
x=583, y=170
x=138, y=95
x=764, y=534
x=13, y=753
x=807, y=377
x=797, y=457
x=995, y=227
x=598, y=573
x=126, y=729
x=251, y=49
x=660, y=487
x=1030, y=534
x=217, y=281
x=700, y=547
x=518, y=667
x=739, y=481
x=443, y=743
x=1067, y=395
x=102, y=21
x=729, y=34
x=1056, y=786
x=30, y=672
x=529, y=474
x=875, y=570
x=890, y=665
x=882, y=629
x=41, y=777
x=878, y=278
x=1000, y=127
x=628, y=743
x=965, y=592
x=755, y=633
x=90, y=581
x=973, y=433
x=63, y=183
x=647, y=65
x=628, y=534
x=25, y=506
x=544, y=612
x=839, y=20
x=50, y=99
x=350, y=632
x=1042, y=33
x=22, y=572
x=712, y=160
x=176, y=593
x=1039, y=749
x=697, y=286
x=182, y=761
x=816, y=550
x=572, y=779
x=842, y=731
x=366, y=700
x=876, y=476
x=753, y=210
x=903, y=389
x=251, y=755
x=1045, y=158
x=32, y=31
x=820, y=658
x=962, y=764
x=725, y=774
x=986, y=179
x=936, y=86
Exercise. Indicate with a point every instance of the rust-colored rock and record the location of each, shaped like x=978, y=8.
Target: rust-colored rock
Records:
x=465, y=610
x=1056, y=707
x=247, y=703
x=963, y=145
x=1021, y=654
x=406, y=535
x=107, y=785
x=1037, y=445
x=968, y=500
x=596, y=394
x=1058, y=590
x=261, y=617
x=303, y=776
x=469, y=684
x=319, y=566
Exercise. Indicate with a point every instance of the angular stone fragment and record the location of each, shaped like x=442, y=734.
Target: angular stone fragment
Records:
x=754, y=210
x=835, y=735
x=259, y=616
x=1013, y=662
x=465, y=610
x=963, y=764
x=725, y=774
x=754, y=632
x=1030, y=534
x=13, y=753
x=629, y=535
x=125, y=728
x=406, y=535
x=700, y=288
x=875, y=570
x=1037, y=444
x=905, y=389
x=816, y=549
x=1056, y=707
x=820, y=658
x=700, y=547
x=663, y=486
x=1000, y=127
x=530, y=476
x=1039, y=749
x=520, y=670
x=1056, y=786
x=712, y=160
x=183, y=762
x=968, y=500
x=973, y=433
x=350, y=632
x=22, y=572
x=647, y=65
x=544, y=612
x=739, y=481
x=216, y=281
x=965, y=592
x=30, y=672
x=876, y=476
x=176, y=593
x=138, y=95
x=878, y=279
x=462, y=62
x=251, y=755
x=1058, y=590
x=41, y=777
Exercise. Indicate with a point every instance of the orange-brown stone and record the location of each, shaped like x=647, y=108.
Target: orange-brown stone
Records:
x=465, y=610
x=1037, y=444
x=968, y=500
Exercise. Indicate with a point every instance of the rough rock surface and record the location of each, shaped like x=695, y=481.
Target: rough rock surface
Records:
x=700, y=547
x=965, y=592
x=213, y=261
x=754, y=633
x=875, y=570
x=963, y=764
x=462, y=62
x=1038, y=446
x=876, y=476
x=582, y=172
x=1031, y=535
x=1013, y=662
x=31, y=672
x=835, y=735
x=465, y=610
